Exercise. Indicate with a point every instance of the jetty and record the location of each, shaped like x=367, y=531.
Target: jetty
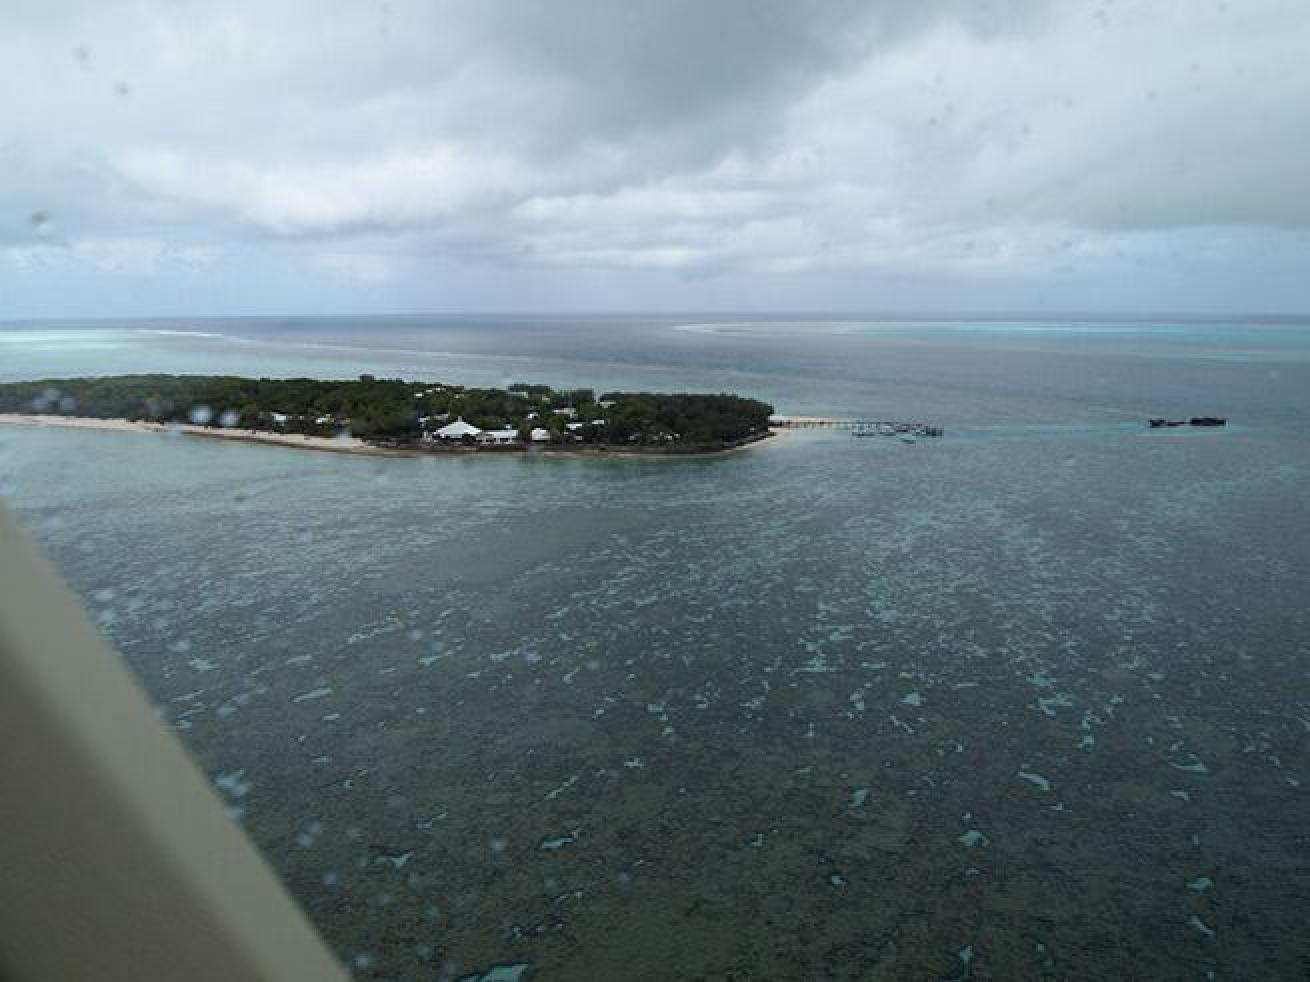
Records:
x=858, y=427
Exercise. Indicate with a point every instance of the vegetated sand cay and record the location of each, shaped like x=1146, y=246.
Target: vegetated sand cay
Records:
x=331, y=444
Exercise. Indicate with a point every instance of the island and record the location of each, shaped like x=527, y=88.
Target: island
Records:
x=396, y=415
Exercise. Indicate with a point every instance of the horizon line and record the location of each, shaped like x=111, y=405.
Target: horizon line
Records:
x=1073, y=316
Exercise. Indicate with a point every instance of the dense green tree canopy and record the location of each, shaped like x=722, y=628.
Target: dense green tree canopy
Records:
x=396, y=410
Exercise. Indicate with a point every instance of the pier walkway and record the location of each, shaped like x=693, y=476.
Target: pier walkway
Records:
x=858, y=427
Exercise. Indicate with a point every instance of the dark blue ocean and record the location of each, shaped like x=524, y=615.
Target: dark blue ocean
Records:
x=1031, y=700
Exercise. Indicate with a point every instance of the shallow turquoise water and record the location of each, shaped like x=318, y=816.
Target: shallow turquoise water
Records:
x=1035, y=692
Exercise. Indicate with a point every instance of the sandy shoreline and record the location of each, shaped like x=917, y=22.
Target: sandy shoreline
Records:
x=297, y=440
x=344, y=444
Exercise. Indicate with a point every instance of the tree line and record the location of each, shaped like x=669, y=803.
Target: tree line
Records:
x=395, y=410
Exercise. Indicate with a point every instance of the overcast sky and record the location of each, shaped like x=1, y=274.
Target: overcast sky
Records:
x=622, y=155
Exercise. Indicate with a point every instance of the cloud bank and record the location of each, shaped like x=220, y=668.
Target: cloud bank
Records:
x=193, y=157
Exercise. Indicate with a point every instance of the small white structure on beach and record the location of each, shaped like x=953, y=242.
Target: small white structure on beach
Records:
x=539, y=435
x=501, y=437
x=457, y=430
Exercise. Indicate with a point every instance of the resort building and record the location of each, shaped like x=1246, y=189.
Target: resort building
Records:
x=457, y=430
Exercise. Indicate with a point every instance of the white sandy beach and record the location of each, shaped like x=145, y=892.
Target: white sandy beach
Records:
x=299, y=441
x=329, y=444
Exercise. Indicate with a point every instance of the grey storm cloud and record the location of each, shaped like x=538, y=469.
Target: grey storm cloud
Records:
x=430, y=153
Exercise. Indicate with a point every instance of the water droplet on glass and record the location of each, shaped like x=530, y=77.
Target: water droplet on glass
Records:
x=47, y=399
x=305, y=837
x=229, y=418
x=200, y=415
x=235, y=784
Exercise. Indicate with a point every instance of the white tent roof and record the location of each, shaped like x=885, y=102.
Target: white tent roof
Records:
x=457, y=429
